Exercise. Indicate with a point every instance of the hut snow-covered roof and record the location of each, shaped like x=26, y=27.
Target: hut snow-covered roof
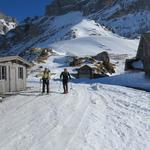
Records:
x=15, y=58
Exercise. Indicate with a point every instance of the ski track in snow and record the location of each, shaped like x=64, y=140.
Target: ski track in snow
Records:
x=90, y=117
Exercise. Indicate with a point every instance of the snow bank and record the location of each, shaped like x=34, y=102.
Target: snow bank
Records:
x=135, y=80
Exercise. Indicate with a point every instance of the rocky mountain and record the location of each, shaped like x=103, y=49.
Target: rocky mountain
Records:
x=6, y=23
x=59, y=7
x=73, y=19
x=127, y=18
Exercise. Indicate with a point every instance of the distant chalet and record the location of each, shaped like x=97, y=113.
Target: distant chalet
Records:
x=90, y=71
x=86, y=72
x=13, y=74
x=142, y=60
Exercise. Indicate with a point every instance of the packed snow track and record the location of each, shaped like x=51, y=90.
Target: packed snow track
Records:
x=90, y=117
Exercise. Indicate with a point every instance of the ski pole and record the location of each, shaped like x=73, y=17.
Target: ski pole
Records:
x=49, y=85
x=40, y=85
x=71, y=85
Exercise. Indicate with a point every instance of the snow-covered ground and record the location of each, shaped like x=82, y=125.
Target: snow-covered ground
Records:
x=130, y=79
x=90, y=117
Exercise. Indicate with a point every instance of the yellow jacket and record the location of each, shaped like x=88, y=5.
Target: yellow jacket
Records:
x=46, y=75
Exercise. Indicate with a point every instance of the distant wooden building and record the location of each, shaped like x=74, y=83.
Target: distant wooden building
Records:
x=90, y=71
x=13, y=73
x=85, y=72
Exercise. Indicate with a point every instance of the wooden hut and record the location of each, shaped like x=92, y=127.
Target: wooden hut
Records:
x=13, y=73
x=90, y=71
x=85, y=71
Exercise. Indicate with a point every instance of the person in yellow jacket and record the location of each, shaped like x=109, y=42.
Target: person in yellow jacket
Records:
x=45, y=79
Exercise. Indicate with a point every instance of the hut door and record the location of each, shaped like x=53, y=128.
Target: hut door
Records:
x=13, y=81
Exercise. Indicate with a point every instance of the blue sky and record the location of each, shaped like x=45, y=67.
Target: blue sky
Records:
x=23, y=8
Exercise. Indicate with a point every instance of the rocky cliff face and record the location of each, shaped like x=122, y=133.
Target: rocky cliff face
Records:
x=59, y=7
x=6, y=23
x=128, y=18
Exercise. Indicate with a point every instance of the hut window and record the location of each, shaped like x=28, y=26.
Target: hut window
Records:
x=3, y=73
x=20, y=73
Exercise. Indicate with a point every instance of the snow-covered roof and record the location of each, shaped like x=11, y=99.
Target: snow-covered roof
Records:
x=92, y=66
x=11, y=58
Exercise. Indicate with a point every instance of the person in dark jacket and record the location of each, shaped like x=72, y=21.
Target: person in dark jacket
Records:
x=45, y=79
x=65, y=77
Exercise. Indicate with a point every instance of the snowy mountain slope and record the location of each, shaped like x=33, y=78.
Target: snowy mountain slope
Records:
x=6, y=23
x=73, y=34
x=126, y=18
x=92, y=38
x=128, y=27
x=114, y=14
x=51, y=29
